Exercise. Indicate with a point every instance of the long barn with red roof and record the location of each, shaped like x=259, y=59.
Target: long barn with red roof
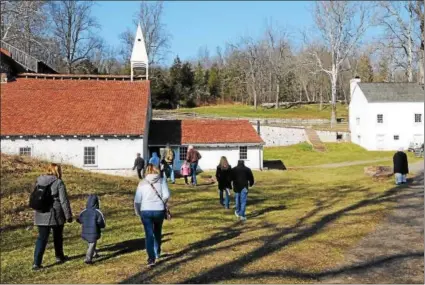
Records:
x=100, y=122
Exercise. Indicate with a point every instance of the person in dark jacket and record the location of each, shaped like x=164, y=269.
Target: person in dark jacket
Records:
x=193, y=157
x=92, y=220
x=224, y=179
x=401, y=167
x=59, y=213
x=139, y=164
x=242, y=179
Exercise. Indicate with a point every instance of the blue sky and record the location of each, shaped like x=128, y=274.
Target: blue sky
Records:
x=196, y=24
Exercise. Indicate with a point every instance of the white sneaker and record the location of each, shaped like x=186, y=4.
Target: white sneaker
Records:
x=236, y=214
x=243, y=218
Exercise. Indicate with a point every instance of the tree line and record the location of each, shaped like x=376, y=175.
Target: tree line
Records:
x=272, y=68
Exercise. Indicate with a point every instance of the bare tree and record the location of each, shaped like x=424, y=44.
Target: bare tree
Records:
x=341, y=25
x=420, y=17
x=74, y=30
x=279, y=55
x=156, y=38
x=398, y=19
x=23, y=23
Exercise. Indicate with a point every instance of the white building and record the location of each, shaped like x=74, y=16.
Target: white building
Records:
x=92, y=124
x=100, y=122
x=386, y=116
x=235, y=139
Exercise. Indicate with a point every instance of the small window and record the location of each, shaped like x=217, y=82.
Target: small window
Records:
x=358, y=121
x=183, y=152
x=418, y=118
x=243, y=152
x=380, y=119
x=25, y=151
x=89, y=155
x=396, y=137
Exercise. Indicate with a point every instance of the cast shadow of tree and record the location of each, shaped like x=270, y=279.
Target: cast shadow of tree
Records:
x=274, y=242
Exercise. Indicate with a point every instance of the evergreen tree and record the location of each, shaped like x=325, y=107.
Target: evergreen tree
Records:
x=214, y=82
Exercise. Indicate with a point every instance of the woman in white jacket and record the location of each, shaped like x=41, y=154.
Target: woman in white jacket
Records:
x=151, y=195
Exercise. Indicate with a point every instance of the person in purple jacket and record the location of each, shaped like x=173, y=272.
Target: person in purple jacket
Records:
x=92, y=221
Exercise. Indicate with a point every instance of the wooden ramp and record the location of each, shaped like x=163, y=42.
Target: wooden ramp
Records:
x=314, y=140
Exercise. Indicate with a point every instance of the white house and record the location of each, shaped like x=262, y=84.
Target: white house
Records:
x=235, y=139
x=386, y=116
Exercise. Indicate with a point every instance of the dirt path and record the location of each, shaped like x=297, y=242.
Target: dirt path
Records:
x=394, y=253
x=342, y=164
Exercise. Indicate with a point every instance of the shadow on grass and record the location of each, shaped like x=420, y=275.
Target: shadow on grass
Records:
x=116, y=249
x=274, y=242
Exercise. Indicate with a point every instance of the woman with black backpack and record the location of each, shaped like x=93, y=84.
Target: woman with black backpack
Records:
x=52, y=211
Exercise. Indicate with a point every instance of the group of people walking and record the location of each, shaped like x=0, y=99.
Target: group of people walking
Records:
x=150, y=201
x=165, y=164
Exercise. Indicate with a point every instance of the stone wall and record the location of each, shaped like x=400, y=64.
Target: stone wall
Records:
x=284, y=136
x=329, y=136
x=278, y=136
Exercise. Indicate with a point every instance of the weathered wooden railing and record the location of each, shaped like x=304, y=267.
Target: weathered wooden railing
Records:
x=27, y=61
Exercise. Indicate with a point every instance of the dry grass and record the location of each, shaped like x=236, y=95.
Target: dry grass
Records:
x=299, y=225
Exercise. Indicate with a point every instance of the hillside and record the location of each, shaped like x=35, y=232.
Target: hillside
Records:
x=301, y=220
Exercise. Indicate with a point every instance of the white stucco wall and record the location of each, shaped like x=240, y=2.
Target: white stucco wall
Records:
x=211, y=157
x=398, y=119
x=111, y=153
x=358, y=109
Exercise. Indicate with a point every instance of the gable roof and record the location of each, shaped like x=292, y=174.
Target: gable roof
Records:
x=392, y=92
x=185, y=132
x=73, y=107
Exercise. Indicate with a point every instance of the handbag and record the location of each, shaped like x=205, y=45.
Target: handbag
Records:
x=167, y=212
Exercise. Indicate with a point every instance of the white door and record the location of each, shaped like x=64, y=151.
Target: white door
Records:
x=380, y=142
x=418, y=139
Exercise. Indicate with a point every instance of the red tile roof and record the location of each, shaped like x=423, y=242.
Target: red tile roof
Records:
x=73, y=107
x=186, y=132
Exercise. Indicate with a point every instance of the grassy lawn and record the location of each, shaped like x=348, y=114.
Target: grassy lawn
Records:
x=301, y=111
x=303, y=154
x=300, y=223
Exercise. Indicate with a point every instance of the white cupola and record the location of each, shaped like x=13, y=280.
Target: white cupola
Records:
x=139, y=56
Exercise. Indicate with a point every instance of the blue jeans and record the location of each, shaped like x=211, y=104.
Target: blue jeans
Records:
x=240, y=201
x=400, y=178
x=226, y=200
x=193, y=167
x=43, y=237
x=171, y=172
x=152, y=222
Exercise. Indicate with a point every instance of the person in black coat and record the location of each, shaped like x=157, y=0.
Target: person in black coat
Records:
x=92, y=221
x=242, y=179
x=224, y=179
x=139, y=164
x=401, y=167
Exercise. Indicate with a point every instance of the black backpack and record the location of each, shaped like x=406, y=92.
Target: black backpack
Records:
x=41, y=198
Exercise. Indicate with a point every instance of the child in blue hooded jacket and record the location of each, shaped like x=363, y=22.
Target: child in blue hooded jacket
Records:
x=92, y=220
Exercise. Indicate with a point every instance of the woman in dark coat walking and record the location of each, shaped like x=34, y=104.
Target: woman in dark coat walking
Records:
x=54, y=219
x=401, y=167
x=224, y=179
